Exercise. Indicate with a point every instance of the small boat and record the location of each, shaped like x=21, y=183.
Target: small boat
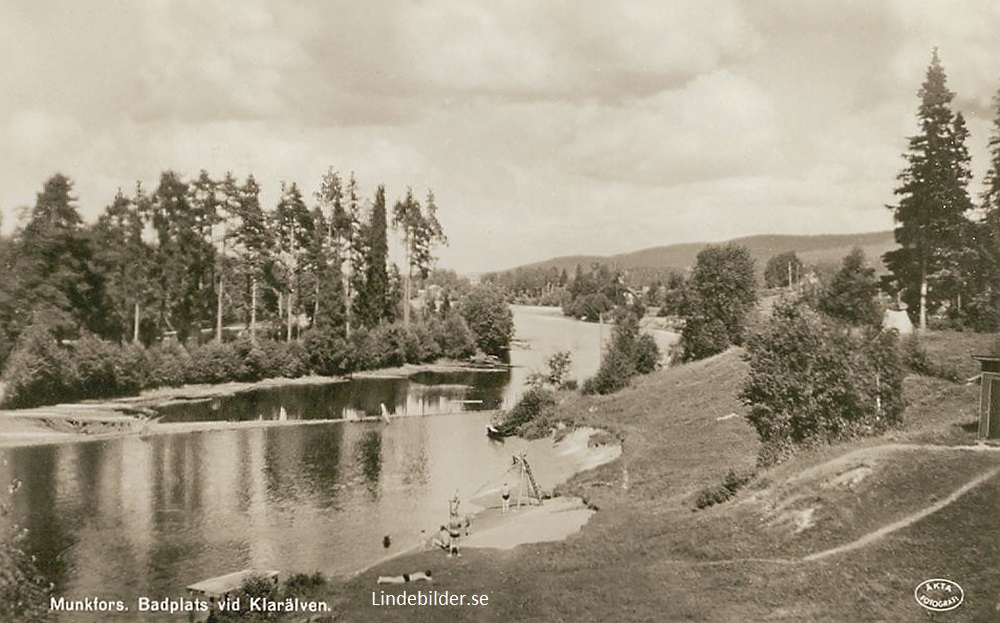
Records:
x=493, y=432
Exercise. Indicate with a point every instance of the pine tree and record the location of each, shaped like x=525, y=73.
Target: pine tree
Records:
x=294, y=227
x=850, y=297
x=56, y=278
x=930, y=222
x=252, y=245
x=983, y=308
x=372, y=298
x=184, y=256
x=125, y=259
x=421, y=231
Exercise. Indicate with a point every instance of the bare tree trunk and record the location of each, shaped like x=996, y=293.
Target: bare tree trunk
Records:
x=406, y=297
x=218, y=311
x=135, y=324
x=253, y=310
x=923, y=303
x=316, y=302
x=291, y=296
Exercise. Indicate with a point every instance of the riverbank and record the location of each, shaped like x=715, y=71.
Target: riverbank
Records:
x=841, y=533
x=137, y=415
x=555, y=460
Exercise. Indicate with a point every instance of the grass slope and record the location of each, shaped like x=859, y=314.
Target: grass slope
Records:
x=646, y=556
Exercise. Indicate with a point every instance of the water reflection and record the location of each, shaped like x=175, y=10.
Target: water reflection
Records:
x=128, y=517
x=427, y=393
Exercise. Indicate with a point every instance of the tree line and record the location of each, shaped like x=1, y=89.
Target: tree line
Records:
x=157, y=289
x=198, y=255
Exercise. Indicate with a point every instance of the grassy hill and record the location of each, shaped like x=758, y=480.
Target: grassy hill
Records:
x=843, y=532
x=828, y=248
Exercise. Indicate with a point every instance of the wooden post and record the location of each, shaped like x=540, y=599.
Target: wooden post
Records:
x=135, y=324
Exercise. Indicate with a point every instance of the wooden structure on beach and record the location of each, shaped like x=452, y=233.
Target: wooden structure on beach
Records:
x=217, y=589
x=989, y=397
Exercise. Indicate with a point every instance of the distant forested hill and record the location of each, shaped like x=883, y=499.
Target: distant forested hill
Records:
x=649, y=264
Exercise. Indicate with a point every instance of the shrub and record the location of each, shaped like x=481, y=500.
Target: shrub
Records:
x=454, y=337
x=588, y=307
x=168, y=364
x=290, y=360
x=850, y=297
x=132, y=369
x=718, y=300
x=812, y=379
x=38, y=371
x=732, y=482
x=95, y=362
x=559, y=365
x=24, y=591
x=647, y=354
x=421, y=344
x=215, y=363
x=489, y=317
x=628, y=354
x=532, y=404
x=327, y=353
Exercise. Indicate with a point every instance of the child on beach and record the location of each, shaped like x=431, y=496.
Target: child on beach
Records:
x=505, y=498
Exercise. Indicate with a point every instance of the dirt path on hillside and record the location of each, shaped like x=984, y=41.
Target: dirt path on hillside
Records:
x=884, y=531
x=910, y=519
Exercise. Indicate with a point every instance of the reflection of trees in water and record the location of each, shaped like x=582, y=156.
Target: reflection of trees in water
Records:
x=369, y=453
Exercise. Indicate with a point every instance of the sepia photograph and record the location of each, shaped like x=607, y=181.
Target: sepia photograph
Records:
x=322, y=311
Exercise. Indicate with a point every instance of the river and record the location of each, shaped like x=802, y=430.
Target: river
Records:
x=145, y=516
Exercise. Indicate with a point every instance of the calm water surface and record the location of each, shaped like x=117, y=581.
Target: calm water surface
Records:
x=131, y=517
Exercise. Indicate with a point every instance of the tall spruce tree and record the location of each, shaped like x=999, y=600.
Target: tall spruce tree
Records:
x=57, y=282
x=125, y=260
x=372, y=303
x=931, y=227
x=252, y=244
x=983, y=310
x=294, y=228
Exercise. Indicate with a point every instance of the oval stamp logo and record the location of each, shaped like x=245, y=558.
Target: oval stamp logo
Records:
x=939, y=595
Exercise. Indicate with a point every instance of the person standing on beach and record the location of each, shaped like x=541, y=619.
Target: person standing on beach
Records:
x=505, y=498
x=453, y=510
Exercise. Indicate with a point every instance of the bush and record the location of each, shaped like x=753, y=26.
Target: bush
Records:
x=647, y=354
x=851, y=295
x=588, y=307
x=24, y=591
x=454, y=337
x=422, y=345
x=531, y=406
x=290, y=360
x=327, y=353
x=812, y=379
x=38, y=372
x=490, y=319
x=628, y=354
x=168, y=365
x=96, y=370
x=559, y=365
x=732, y=482
x=215, y=363
x=717, y=303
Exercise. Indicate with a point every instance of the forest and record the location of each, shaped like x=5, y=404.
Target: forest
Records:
x=196, y=281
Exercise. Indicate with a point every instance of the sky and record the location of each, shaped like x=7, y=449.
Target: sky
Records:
x=544, y=128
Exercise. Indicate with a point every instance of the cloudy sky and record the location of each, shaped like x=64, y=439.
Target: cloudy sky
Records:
x=544, y=128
